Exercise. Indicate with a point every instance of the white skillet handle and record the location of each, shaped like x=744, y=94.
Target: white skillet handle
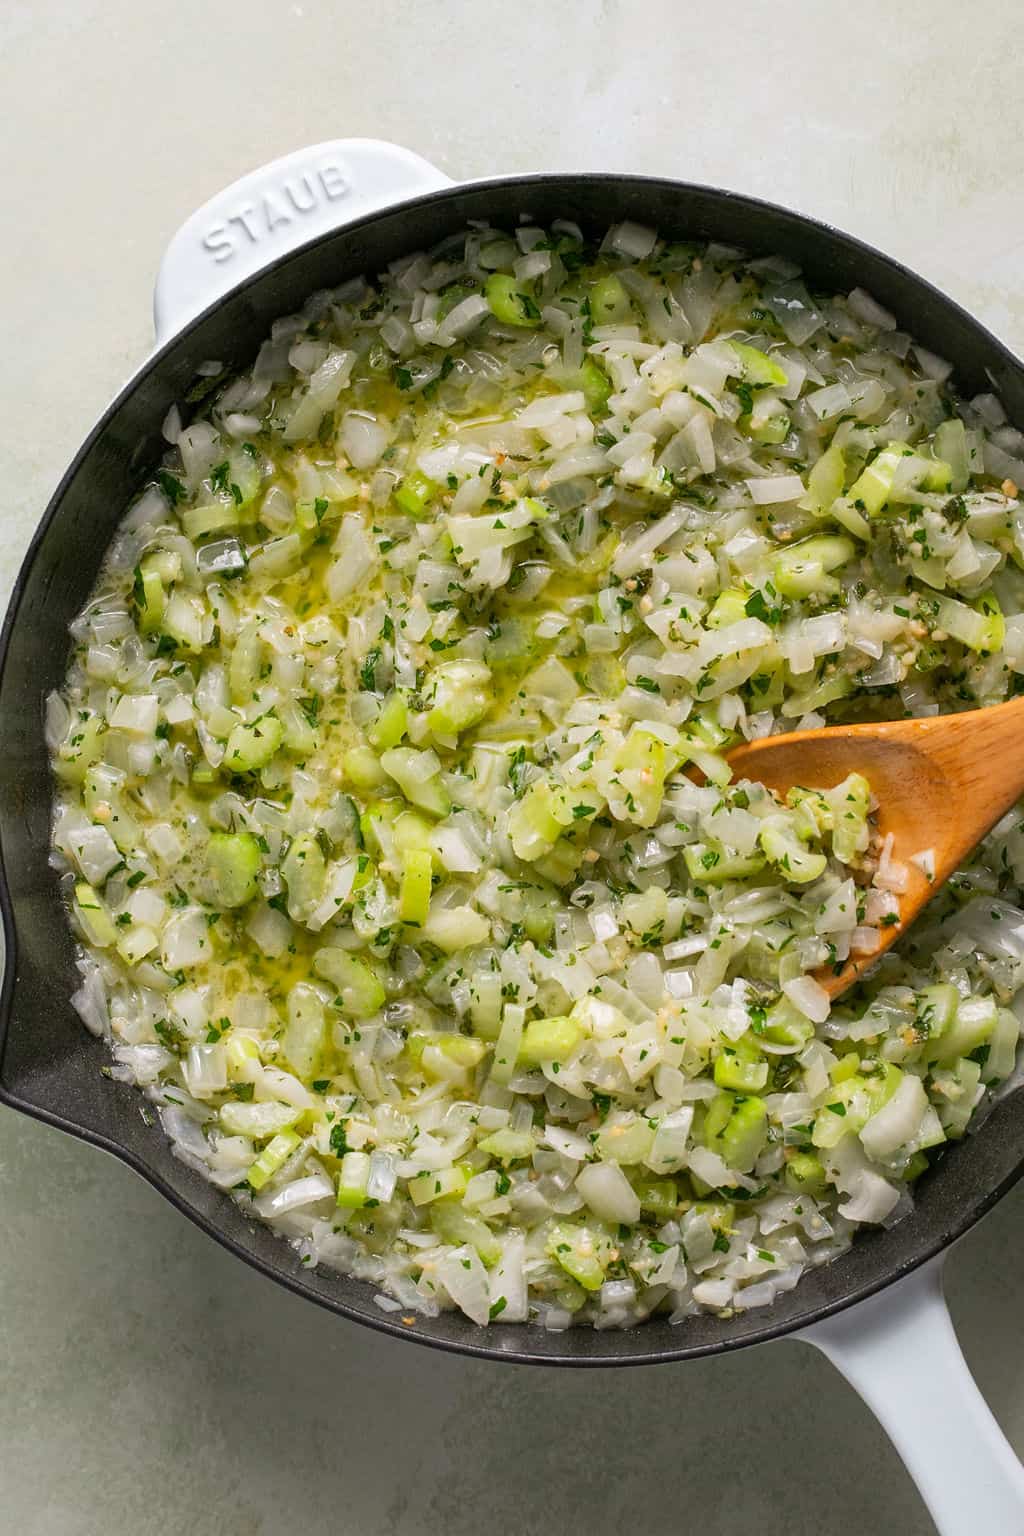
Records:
x=271, y=211
x=899, y=1351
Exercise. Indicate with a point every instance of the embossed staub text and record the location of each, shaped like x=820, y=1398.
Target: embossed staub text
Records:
x=295, y=197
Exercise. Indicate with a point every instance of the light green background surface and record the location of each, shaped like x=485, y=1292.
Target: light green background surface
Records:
x=150, y=1383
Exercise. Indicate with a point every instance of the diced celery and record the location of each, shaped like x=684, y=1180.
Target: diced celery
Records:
x=93, y=916
x=304, y=871
x=610, y=303
x=362, y=768
x=849, y=802
x=728, y=608
x=846, y=1066
x=870, y=491
x=552, y=1039
x=756, y=367
x=359, y=989
x=785, y=1025
x=595, y=384
x=414, y=892
x=624, y=1138
x=391, y=724
x=305, y=1031
x=783, y=850
x=950, y=445
x=741, y=1065
x=804, y=569
x=511, y=301
x=454, y=1224
x=352, y=1178
x=973, y=1025
x=455, y=928
x=584, y=1252
x=460, y=696
x=448, y=1057
x=805, y=1174
x=826, y=479
x=233, y=859
x=150, y=597
x=1002, y=1048
x=641, y=766
x=538, y=820
x=80, y=750
x=252, y=746
x=405, y=766
x=659, y=1198
x=980, y=628
x=711, y=863
x=214, y=518
x=415, y=493
x=935, y=1010
x=508, y=1146
x=437, y=1184
x=740, y=1140
x=274, y=1155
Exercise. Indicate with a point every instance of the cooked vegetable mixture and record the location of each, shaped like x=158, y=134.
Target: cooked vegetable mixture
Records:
x=412, y=885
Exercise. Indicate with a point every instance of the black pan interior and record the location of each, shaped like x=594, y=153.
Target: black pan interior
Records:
x=50, y=1067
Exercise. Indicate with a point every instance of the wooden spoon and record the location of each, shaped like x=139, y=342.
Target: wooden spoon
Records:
x=942, y=783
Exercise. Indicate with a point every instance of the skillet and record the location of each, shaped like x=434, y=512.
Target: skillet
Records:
x=256, y=251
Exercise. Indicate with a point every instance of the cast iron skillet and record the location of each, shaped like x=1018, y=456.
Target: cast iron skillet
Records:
x=50, y=1066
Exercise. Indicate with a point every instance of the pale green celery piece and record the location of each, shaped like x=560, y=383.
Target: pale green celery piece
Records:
x=244, y=666
x=456, y=928
x=953, y=1091
x=870, y=491
x=805, y=1174
x=508, y=1146
x=233, y=860
x=829, y=687
x=359, y=988
x=299, y=736
x=150, y=597
x=391, y=724
x=511, y=645
x=414, y=892
x=851, y=518
x=757, y=367
x=454, y=1224
x=849, y=802
x=659, y=1198
x=81, y=749
x=537, y=821
x=711, y=863
x=1002, y=1053
x=304, y=871
x=244, y=478
x=610, y=304
x=305, y=1032
x=252, y=746
x=460, y=696
x=595, y=384
x=804, y=569
x=362, y=769
x=826, y=480
x=103, y=797
x=785, y=1025
x=645, y=911
x=935, y=1013
x=217, y=517
x=781, y=847
x=438, y=1184
x=973, y=1025
x=274, y=1155
x=624, y=1138
x=92, y=914
x=352, y=1178
x=448, y=1057
x=741, y=1066
x=641, y=764
x=552, y=1039
x=415, y=493
x=741, y=1138
x=511, y=302
x=403, y=765
x=981, y=627
x=950, y=444
x=729, y=607
x=584, y=1252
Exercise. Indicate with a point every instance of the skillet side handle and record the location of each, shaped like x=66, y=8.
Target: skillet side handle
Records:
x=899, y=1351
x=275, y=209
